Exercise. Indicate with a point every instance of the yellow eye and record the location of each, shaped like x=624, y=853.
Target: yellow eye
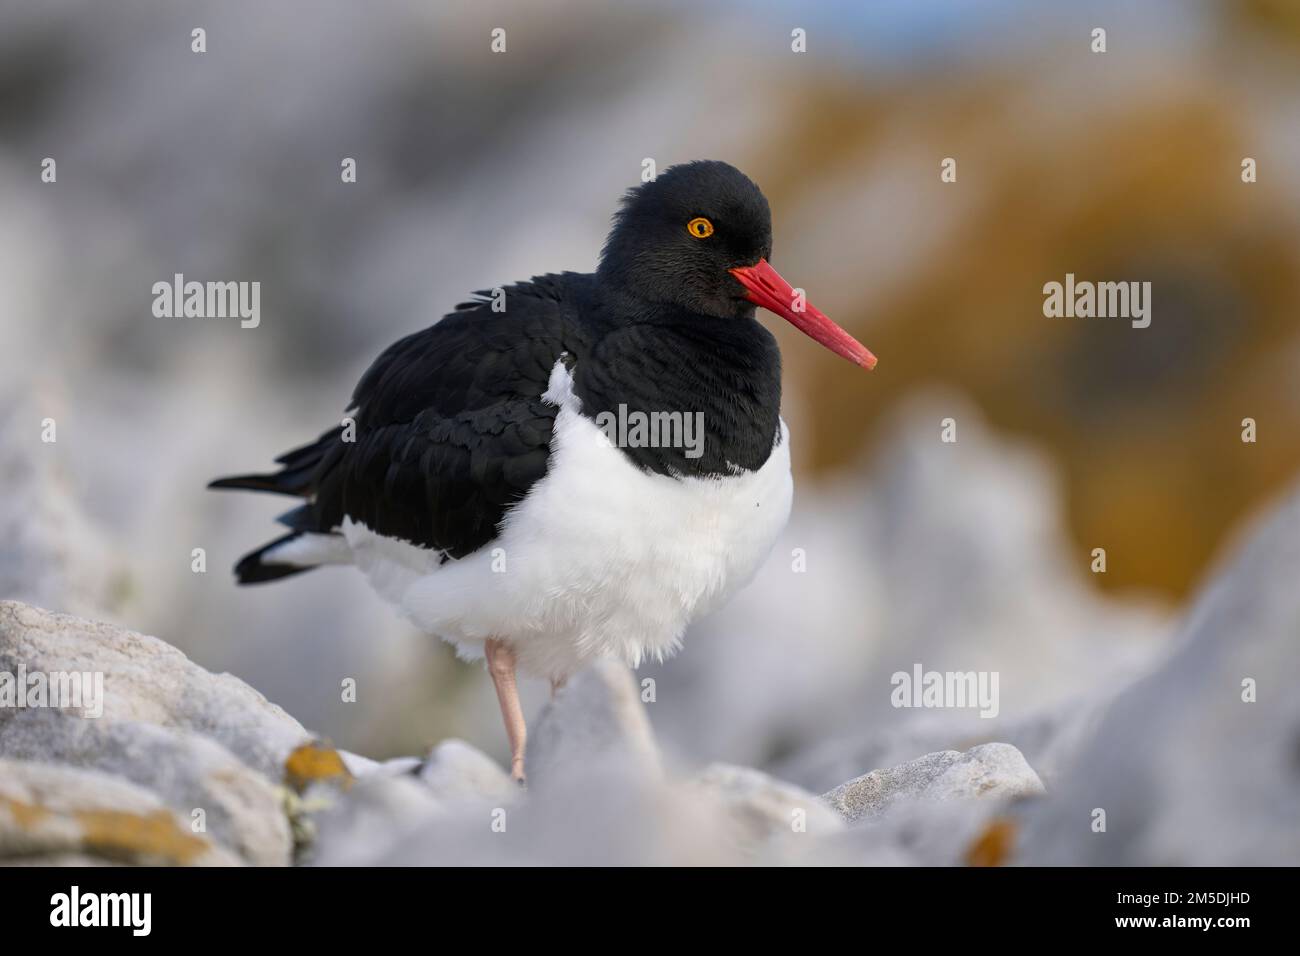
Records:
x=700, y=228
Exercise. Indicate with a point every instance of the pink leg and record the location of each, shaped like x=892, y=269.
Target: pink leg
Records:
x=501, y=665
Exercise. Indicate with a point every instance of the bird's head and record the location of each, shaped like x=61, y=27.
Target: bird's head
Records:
x=699, y=236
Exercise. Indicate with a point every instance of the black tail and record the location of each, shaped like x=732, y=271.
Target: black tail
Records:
x=252, y=570
x=296, y=478
x=271, y=483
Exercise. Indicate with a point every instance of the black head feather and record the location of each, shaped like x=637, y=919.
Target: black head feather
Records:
x=651, y=255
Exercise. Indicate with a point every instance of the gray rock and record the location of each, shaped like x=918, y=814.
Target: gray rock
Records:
x=360, y=766
x=612, y=815
x=457, y=772
x=148, y=681
x=367, y=821
x=615, y=814
x=241, y=809
x=1186, y=771
x=1047, y=739
x=55, y=812
x=987, y=771
x=762, y=808
x=925, y=833
x=596, y=719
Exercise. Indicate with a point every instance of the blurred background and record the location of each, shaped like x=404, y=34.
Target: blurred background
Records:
x=474, y=169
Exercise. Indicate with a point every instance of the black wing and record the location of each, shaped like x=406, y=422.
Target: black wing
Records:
x=450, y=428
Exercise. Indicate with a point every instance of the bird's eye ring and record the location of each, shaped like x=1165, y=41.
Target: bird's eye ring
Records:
x=700, y=228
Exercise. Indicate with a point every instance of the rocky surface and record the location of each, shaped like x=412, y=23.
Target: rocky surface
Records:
x=49, y=811
x=366, y=821
x=206, y=745
x=989, y=770
x=455, y=772
x=762, y=810
x=148, y=681
x=1191, y=758
x=187, y=771
x=175, y=742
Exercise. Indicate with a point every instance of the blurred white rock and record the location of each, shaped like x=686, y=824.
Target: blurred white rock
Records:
x=53, y=555
x=1198, y=763
x=360, y=766
x=609, y=816
x=930, y=833
x=596, y=719
x=369, y=820
x=763, y=808
x=459, y=773
x=1047, y=738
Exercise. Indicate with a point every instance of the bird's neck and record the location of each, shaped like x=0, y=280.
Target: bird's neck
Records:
x=721, y=378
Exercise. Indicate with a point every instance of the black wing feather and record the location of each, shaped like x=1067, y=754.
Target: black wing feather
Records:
x=450, y=427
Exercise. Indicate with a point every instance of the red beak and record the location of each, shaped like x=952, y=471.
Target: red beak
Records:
x=766, y=288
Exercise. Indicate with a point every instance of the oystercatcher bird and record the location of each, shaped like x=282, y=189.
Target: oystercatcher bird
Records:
x=477, y=482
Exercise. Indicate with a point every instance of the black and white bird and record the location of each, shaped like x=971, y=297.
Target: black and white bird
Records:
x=478, y=486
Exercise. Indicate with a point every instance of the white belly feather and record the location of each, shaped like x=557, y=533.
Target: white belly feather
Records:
x=600, y=558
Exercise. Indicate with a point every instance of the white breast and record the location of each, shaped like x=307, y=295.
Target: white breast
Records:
x=600, y=558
